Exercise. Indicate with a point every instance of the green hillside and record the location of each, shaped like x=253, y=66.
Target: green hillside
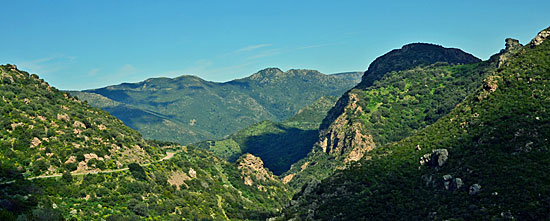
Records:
x=46, y=131
x=278, y=144
x=188, y=109
x=392, y=108
x=62, y=159
x=485, y=160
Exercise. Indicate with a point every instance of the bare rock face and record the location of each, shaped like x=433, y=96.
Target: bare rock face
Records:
x=178, y=179
x=475, y=189
x=288, y=178
x=345, y=137
x=252, y=166
x=543, y=35
x=437, y=158
x=512, y=46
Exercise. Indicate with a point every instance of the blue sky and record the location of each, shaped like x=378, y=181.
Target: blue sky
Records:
x=90, y=44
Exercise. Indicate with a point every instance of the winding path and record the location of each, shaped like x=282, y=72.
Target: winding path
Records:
x=168, y=156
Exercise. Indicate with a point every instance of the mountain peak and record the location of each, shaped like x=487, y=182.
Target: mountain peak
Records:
x=271, y=71
x=420, y=44
x=512, y=43
x=412, y=55
x=266, y=73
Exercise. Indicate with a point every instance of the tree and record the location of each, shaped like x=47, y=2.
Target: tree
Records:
x=67, y=177
x=137, y=171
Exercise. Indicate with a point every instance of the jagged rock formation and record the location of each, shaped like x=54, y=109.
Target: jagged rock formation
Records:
x=541, y=36
x=252, y=168
x=344, y=136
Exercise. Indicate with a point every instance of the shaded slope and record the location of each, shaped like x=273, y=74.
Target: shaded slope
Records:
x=279, y=145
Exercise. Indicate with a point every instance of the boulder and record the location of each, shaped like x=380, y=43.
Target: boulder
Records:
x=437, y=158
x=447, y=181
x=475, y=189
x=457, y=184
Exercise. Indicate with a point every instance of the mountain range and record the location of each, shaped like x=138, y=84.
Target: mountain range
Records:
x=188, y=109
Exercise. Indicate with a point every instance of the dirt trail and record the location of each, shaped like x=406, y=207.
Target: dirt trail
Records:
x=169, y=155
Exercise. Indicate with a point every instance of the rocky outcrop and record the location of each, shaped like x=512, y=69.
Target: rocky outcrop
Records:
x=543, y=35
x=512, y=46
x=250, y=167
x=178, y=179
x=437, y=158
x=449, y=183
x=288, y=178
x=474, y=189
x=344, y=137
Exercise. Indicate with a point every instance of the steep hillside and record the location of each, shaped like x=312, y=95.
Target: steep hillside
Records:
x=188, y=109
x=484, y=160
x=46, y=131
x=390, y=109
x=62, y=159
x=279, y=145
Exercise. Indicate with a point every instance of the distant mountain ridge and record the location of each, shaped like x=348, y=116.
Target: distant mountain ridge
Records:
x=189, y=109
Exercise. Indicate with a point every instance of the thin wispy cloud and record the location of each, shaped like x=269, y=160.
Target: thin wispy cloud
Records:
x=126, y=70
x=251, y=48
x=47, y=64
x=123, y=73
x=312, y=46
x=93, y=72
x=266, y=53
